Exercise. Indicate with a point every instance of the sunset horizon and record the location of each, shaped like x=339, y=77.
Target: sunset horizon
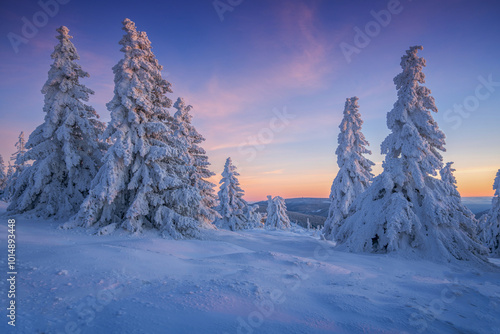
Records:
x=302, y=71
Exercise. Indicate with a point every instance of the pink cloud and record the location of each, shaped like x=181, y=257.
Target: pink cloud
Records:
x=303, y=69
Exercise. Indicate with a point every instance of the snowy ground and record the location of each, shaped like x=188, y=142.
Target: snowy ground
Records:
x=250, y=282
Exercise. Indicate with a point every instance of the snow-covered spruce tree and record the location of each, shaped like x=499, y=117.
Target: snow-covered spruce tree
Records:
x=460, y=213
x=254, y=218
x=277, y=218
x=354, y=174
x=16, y=168
x=144, y=181
x=182, y=126
x=8, y=183
x=406, y=209
x=65, y=148
x=490, y=222
x=18, y=156
x=232, y=206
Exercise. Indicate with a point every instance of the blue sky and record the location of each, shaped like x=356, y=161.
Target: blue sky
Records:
x=278, y=57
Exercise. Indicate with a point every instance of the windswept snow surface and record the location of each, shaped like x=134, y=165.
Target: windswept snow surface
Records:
x=251, y=281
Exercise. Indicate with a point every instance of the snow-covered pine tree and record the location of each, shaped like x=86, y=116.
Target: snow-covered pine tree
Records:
x=199, y=177
x=3, y=176
x=8, y=184
x=462, y=214
x=406, y=209
x=490, y=222
x=354, y=174
x=144, y=181
x=254, y=218
x=277, y=218
x=231, y=206
x=17, y=157
x=16, y=168
x=65, y=149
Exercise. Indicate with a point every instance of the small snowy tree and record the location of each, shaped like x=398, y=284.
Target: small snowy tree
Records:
x=462, y=214
x=65, y=148
x=406, y=209
x=199, y=159
x=277, y=218
x=8, y=183
x=3, y=176
x=254, y=219
x=18, y=156
x=231, y=206
x=16, y=168
x=354, y=174
x=145, y=179
x=490, y=222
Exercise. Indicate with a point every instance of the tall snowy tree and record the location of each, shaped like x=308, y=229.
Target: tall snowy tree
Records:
x=277, y=218
x=231, y=206
x=490, y=222
x=201, y=173
x=354, y=174
x=406, y=209
x=145, y=179
x=65, y=148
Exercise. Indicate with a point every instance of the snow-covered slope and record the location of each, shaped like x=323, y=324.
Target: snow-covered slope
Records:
x=254, y=281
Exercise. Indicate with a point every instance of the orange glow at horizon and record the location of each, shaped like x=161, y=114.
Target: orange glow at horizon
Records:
x=471, y=183
x=476, y=182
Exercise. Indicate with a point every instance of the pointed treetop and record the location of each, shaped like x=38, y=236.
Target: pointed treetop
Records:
x=182, y=109
x=63, y=33
x=351, y=140
x=412, y=66
x=496, y=184
x=352, y=101
x=447, y=174
x=129, y=25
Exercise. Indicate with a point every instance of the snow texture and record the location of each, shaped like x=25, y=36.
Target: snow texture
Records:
x=354, y=174
x=277, y=218
x=406, y=210
x=252, y=281
x=145, y=179
x=65, y=149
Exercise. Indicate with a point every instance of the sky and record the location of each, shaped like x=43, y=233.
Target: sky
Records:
x=268, y=80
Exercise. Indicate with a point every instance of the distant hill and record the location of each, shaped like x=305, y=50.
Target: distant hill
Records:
x=477, y=204
x=316, y=209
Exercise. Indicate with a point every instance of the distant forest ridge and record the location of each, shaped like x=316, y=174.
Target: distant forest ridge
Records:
x=316, y=209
